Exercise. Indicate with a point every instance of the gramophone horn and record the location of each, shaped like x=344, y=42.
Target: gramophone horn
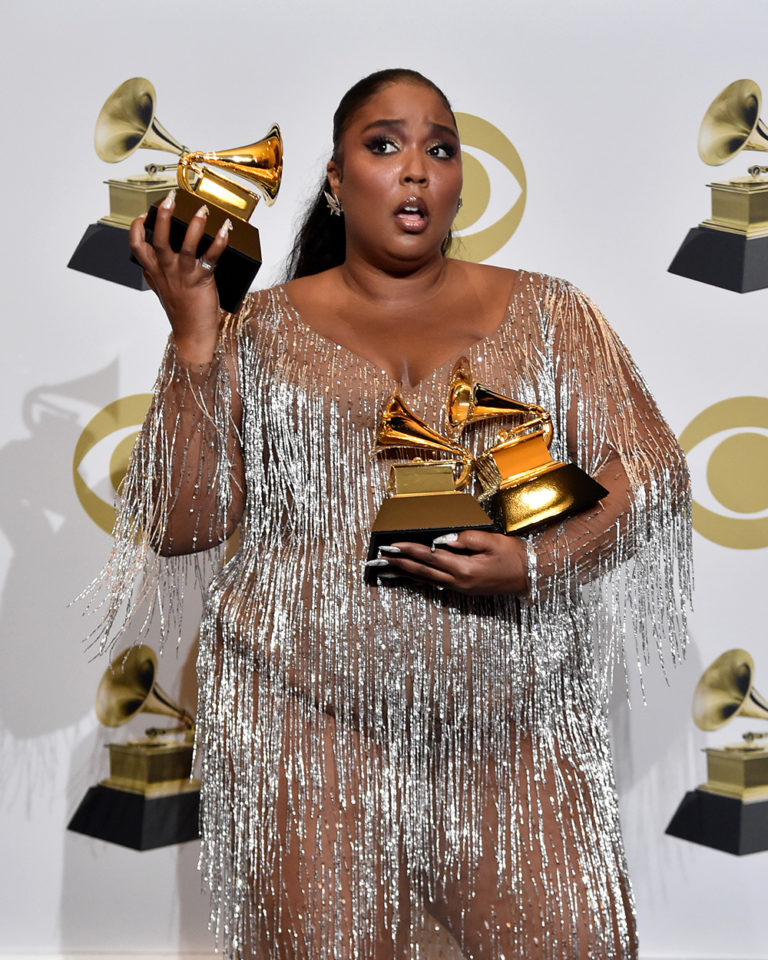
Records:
x=732, y=123
x=726, y=690
x=400, y=427
x=260, y=163
x=127, y=121
x=470, y=401
x=128, y=687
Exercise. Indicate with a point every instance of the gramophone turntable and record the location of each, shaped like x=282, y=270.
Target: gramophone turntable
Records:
x=730, y=810
x=730, y=248
x=126, y=123
x=150, y=798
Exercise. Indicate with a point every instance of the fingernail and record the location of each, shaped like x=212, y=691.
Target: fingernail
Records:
x=202, y=212
x=226, y=227
x=142, y=217
x=446, y=538
x=169, y=200
x=389, y=576
x=390, y=549
x=377, y=563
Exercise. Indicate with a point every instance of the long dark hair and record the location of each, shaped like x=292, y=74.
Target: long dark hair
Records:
x=320, y=240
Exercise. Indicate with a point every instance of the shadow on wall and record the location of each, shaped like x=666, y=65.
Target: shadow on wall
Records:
x=46, y=684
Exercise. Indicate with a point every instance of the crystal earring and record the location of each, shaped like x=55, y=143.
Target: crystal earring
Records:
x=460, y=204
x=334, y=204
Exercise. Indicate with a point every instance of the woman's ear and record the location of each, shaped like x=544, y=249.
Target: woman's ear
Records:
x=333, y=171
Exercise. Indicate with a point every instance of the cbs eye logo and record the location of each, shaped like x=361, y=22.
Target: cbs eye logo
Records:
x=101, y=455
x=486, y=149
x=727, y=447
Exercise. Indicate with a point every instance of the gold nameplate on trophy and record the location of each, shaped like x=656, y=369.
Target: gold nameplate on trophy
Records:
x=522, y=485
x=221, y=179
x=425, y=498
x=132, y=196
x=737, y=771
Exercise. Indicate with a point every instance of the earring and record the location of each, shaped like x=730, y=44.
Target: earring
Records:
x=334, y=204
x=459, y=205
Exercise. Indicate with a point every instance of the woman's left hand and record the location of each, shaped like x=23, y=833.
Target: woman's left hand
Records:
x=473, y=562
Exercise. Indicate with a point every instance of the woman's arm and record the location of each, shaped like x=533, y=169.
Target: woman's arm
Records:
x=615, y=432
x=186, y=479
x=184, y=488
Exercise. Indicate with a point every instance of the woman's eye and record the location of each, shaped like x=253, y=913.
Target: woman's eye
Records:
x=382, y=145
x=442, y=151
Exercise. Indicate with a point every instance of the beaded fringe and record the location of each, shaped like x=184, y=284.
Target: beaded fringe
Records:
x=444, y=707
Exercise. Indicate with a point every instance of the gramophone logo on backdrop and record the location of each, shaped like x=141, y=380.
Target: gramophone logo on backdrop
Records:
x=492, y=170
x=730, y=248
x=727, y=449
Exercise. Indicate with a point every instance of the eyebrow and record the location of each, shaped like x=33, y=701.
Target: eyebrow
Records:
x=399, y=122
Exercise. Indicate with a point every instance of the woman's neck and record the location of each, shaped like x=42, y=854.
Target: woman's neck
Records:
x=376, y=285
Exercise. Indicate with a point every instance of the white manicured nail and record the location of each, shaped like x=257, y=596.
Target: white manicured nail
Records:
x=389, y=576
x=226, y=228
x=377, y=563
x=169, y=200
x=203, y=211
x=446, y=538
x=390, y=550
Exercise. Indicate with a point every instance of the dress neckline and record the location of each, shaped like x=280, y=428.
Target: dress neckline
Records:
x=365, y=362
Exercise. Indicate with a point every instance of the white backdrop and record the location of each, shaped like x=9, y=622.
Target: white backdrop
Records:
x=602, y=101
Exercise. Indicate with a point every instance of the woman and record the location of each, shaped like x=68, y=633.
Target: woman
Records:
x=438, y=739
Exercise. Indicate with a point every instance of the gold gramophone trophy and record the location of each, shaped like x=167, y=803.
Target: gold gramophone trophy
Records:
x=730, y=248
x=150, y=798
x=730, y=811
x=523, y=486
x=425, y=497
x=126, y=123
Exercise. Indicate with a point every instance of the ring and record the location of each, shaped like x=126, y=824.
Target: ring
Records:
x=204, y=264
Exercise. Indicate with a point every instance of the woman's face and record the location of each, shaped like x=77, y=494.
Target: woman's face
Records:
x=398, y=175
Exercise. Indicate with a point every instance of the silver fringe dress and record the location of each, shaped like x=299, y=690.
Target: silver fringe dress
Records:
x=366, y=750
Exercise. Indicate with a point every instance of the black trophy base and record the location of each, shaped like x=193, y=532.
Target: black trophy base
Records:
x=132, y=820
x=721, y=259
x=104, y=252
x=551, y=496
x=239, y=263
x=723, y=823
x=419, y=518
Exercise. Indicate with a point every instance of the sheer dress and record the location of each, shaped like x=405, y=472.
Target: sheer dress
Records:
x=369, y=749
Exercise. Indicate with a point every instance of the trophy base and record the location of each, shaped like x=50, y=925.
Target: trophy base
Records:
x=723, y=259
x=419, y=518
x=722, y=823
x=239, y=263
x=554, y=493
x=140, y=822
x=104, y=252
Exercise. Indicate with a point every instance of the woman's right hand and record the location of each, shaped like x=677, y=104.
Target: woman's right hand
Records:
x=184, y=284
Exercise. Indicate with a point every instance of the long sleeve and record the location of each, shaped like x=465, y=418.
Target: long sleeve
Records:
x=631, y=553
x=183, y=494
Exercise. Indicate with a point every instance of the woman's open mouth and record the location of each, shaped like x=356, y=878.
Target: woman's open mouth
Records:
x=413, y=215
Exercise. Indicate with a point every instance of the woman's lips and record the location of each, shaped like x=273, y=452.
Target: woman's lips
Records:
x=412, y=215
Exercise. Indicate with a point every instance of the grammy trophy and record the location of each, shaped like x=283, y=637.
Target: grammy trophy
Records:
x=126, y=123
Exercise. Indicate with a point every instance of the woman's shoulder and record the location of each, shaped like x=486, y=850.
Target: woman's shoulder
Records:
x=261, y=309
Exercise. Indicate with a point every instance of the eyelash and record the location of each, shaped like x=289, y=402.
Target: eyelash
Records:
x=376, y=143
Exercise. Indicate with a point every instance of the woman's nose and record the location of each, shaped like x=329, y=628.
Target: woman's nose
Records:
x=414, y=168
